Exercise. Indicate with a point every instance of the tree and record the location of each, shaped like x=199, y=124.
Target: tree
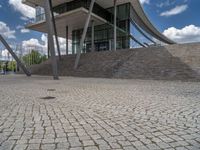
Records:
x=1, y=65
x=34, y=58
x=11, y=66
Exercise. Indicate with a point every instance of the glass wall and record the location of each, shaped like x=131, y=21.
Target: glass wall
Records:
x=142, y=36
x=40, y=16
x=104, y=34
x=65, y=7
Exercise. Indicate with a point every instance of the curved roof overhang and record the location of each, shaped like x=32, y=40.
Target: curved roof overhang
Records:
x=142, y=20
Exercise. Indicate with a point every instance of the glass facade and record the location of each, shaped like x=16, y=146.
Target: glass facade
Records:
x=142, y=36
x=65, y=7
x=103, y=34
x=40, y=16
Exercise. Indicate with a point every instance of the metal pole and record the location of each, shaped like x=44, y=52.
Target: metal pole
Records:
x=92, y=45
x=48, y=51
x=50, y=39
x=55, y=30
x=14, y=56
x=84, y=34
x=67, y=38
x=115, y=25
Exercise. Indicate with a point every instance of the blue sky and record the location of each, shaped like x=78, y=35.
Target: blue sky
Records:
x=177, y=19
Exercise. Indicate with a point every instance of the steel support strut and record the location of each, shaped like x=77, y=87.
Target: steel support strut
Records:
x=21, y=65
x=84, y=34
x=115, y=25
x=48, y=16
x=55, y=29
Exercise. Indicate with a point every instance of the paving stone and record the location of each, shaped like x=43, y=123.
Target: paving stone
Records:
x=91, y=148
x=98, y=114
x=88, y=143
x=20, y=147
x=48, y=146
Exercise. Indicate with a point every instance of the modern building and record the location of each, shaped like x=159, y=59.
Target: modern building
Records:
x=71, y=15
x=92, y=25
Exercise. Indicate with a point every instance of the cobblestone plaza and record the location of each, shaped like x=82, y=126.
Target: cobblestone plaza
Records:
x=98, y=114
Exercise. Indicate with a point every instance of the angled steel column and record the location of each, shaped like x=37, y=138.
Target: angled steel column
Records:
x=50, y=38
x=115, y=25
x=84, y=34
x=92, y=29
x=20, y=64
x=55, y=29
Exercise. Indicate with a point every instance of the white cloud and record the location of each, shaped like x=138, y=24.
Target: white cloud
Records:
x=187, y=34
x=62, y=43
x=4, y=53
x=0, y=6
x=166, y=3
x=41, y=45
x=6, y=31
x=25, y=30
x=32, y=43
x=26, y=11
x=44, y=38
x=144, y=1
x=174, y=11
x=19, y=27
x=24, y=18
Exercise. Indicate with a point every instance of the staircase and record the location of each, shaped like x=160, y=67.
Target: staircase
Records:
x=173, y=62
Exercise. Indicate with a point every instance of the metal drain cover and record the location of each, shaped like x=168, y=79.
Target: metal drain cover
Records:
x=48, y=98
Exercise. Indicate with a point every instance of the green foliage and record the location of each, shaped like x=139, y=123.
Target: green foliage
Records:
x=11, y=66
x=1, y=65
x=8, y=66
x=34, y=58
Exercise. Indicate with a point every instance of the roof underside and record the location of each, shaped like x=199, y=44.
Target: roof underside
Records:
x=71, y=19
x=103, y=3
x=140, y=16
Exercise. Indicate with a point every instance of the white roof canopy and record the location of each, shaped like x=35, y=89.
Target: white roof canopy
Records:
x=142, y=18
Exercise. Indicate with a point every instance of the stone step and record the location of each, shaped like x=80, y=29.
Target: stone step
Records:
x=181, y=62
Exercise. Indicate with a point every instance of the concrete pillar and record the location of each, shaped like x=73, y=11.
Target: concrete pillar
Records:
x=54, y=27
x=84, y=34
x=115, y=26
x=50, y=30
x=110, y=45
x=92, y=39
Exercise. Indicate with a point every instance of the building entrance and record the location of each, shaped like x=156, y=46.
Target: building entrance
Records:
x=99, y=46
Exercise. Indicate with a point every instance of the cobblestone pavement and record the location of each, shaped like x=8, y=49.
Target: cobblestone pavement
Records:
x=98, y=114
